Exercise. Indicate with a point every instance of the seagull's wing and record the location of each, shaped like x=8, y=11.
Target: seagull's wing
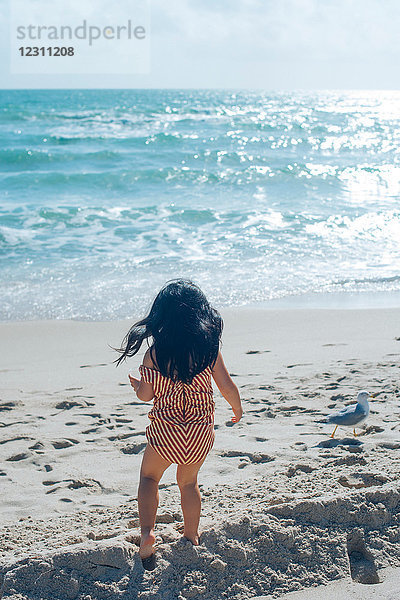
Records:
x=351, y=415
x=344, y=411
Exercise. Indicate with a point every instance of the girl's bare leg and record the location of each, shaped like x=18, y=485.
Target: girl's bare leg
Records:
x=186, y=476
x=153, y=466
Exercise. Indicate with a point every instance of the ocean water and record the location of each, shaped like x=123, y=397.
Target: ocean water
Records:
x=105, y=195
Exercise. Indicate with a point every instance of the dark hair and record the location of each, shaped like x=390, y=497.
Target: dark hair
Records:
x=185, y=332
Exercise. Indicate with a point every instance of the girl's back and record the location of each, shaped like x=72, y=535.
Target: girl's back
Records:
x=176, y=401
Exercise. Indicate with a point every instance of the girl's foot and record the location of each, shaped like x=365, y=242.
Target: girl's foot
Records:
x=194, y=539
x=147, y=541
x=146, y=550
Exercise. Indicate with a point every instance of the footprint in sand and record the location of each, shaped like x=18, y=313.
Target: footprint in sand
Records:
x=68, y=404
x=95, y=416
x=268, y=412
x=49, y=482
x=76, y=484
x=167, y=517
x=288, y=411
x=333, y=443
x=18, y=457
x=362, y=480
x=336, y=397
x=37, y=446
x=15, y=439
x=54, y=489
x=133, y=448
x=134, y=403
x=72, y=484
x=104, y=535
x=256, y=457
x=4, y=406
x=390, y=445
x=350, y=460
x=125, y=436
x=308, y=394
x=303, y=468
x=361, y=562
x=301, y=446
x=65, y=443
x=371, y=429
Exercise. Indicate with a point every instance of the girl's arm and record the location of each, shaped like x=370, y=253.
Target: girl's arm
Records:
x=227, y=388
x=144, y=391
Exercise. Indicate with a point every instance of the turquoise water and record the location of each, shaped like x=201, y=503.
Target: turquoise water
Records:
x=107, y=194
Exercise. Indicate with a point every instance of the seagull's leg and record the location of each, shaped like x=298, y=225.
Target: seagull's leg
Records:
x=334, y=431
x=354, y=431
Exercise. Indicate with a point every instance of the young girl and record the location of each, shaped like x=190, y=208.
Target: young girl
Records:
x=185, y=333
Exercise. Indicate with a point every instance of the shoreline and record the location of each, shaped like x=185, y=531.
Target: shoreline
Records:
x=336, y=301
x=377, y=300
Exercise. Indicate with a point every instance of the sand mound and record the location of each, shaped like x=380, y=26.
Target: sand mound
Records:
x=281, y=548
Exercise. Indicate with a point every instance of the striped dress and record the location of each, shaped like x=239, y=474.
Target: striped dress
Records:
x=181, y=426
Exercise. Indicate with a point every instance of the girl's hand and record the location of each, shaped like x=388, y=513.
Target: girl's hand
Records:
x=134, y=382
x=238, y=413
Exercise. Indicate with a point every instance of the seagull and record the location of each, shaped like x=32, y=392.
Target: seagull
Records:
x=353, y=415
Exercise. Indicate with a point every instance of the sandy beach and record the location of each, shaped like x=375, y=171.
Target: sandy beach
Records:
x=285, y=507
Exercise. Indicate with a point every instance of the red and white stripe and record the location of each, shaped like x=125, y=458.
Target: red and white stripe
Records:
x=182, y=417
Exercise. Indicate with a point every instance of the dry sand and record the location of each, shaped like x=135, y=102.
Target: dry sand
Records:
x=285, y=508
